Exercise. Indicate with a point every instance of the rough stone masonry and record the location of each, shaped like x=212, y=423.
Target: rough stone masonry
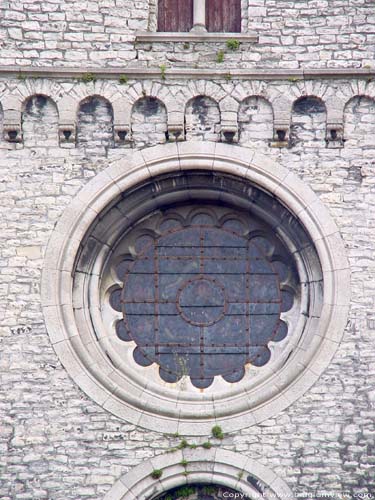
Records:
x=55, y=443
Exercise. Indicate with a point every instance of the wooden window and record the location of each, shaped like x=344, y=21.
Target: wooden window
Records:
x=175, y=15
x=223, y=16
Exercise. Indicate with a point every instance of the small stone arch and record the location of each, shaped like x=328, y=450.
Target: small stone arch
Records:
x=228, y=470
x=308, y=121
x=39, y=120
x=202, y=119
x=149, y=122
x=359, y=121
x=95, y=125
x=255, y=120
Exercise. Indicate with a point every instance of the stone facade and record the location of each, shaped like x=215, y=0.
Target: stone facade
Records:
x=55, y=442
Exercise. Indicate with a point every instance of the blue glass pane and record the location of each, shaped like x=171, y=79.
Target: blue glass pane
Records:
x=139, y=288
x=202, y=302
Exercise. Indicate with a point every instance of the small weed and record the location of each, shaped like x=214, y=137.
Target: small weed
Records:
x=88, y=78
x=184, y=463
x=183, y=444
x=156, y=474
x=185, y=473
x=293, y=79
x=163, y=68
x=220, y=56
x=193, y=446
x=228, y=77
x=21, y=77
x=186, y=45
x=207, y=445
x=217, y=432
x=233, y=44
x=123, y=80
x=240, y=474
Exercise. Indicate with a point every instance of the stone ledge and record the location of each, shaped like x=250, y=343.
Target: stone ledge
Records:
x=144, y=73
x=146, y=36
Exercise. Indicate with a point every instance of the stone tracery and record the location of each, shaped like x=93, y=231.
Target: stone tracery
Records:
x=203, y=297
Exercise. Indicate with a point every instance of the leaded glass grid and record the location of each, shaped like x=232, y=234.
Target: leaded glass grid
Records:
x=203, y=293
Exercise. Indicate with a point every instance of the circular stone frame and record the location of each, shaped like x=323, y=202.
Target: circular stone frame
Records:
x=214, y=466
x=90, y=367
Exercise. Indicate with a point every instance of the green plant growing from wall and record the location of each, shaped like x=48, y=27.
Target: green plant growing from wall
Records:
x=207, y=445
x=220, y=56
x=183, y=444
x=233, y=44
x=123, y=80
x=217, y=432
x=156, y=474
x=88, y=78
x=163, y=69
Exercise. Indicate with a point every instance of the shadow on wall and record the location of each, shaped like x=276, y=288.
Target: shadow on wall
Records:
x=40, y=122
x=308, y=123
x=202, y=119
x=149, y=122
x=255, y=121
x=95, y=126
x=359, y=122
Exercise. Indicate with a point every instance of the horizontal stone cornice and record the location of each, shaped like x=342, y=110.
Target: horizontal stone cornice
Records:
x=185, y=73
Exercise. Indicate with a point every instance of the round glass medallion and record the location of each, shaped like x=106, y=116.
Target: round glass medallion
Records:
x=203, y=298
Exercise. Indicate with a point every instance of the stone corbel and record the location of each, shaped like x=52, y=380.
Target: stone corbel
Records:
x=67, y=134
x=280, y=135
x=335, y=135
x=122, y=134
x=229, y=132
x=176, y=132
x=12, y=131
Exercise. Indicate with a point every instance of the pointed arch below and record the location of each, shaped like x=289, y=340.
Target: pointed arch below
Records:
x=215, y=466
x=91, y=369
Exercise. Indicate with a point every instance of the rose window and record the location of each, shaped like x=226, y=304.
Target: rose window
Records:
x=205, y=292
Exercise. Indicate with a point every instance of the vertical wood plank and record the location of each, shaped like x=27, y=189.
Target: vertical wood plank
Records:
x=175, y=15
x=223, y=16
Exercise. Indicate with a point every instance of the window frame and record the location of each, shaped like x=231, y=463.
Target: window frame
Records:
x=198, y=33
